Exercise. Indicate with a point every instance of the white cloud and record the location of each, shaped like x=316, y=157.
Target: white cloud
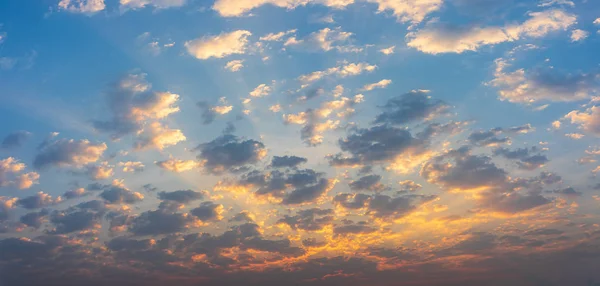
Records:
x=325, y=39
x=588, y=120
x=82, y=6
x=69, y=153
x=380, y=84
x=543, y=84
x=219, y=46
x=277, y=37
x=237, y=8
x=261, y=90
x=578, y=35
x=388, y=51
x=575, y=136
x=158, y=136
x=176, y=165
x=345, y=70
x=12, y=175
x=160, y=4
x=234, y=65
x=438, y=38
x=100, y=172
x=131, y=166
x=547, y=3
x=413, y=11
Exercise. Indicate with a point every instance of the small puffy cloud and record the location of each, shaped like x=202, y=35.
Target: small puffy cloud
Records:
x=68, y=153
x=229, y=152
x=159, y=4
x=277, y=37
x=12, y=175
x=411, y=106
x=491, y=137
x=67, y=222
x=82, y=6
x=380, y=84
x=234, y=65
x=368, y=183
x=388, y=51
x=99, y=172
x=526, y=160
x=210, y=112
x=158, y=136
x=208, y=211
x=381, y=205
x=556, y=124
x=578, y=35
x=325, y=39
x=597, y=21
x=310, y=220
x=287, y=161
x=118, y=194
x=34, y=219
x=160, y=222
x=219, y=46
x=178, y=165
x=261, y=90
x=131, y=166
x=76, y=193
x=238, y=8
x=15, y=139
x=342, y=71
x=412, y=11
x=37, y=201
x=181, y=196
x=438, y=38
x=275, y=108
x=575, y=136
x=588, y=120
x=569, y=192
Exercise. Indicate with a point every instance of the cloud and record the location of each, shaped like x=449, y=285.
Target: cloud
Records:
x=131, y=166
x=210, y=112
x=326, y=39
x=388, y=51
x=569, y=191
x=135, y=109
x=12, y=175
x=208, y=211
x=159, y=222
x=68, y=153
x=277, y=37
x=118, y=194
x=73, y=221
x=575, y=136
x=99, y=172
x=588, y=120
x=342, y=71
x=411, y=106
x=413, y=11
x=34, y=219
x=546, y=84
x=380, y=84
x=260, y=91
x=37, y=201
x=181, y=196
x=238, y=8
x=82, y=6
x=368, y=183
x=219, y=46
x=380, y=206
x=287, y=161
x=234, y=65
x=526, y=160
x=178, y=165
x=490, y=137
x=159, y=4
x=15, y=139
x=354, y=228
x=578, y=35
x=228, y=152
x=438, y=38
x=310, y=220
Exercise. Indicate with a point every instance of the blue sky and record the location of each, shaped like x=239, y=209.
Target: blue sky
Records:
x=223, y=141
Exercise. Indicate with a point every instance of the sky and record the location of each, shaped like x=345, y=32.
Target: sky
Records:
x=299, y=142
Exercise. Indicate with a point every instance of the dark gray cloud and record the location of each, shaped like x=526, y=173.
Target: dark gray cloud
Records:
x=159, y=222
x=368, y=183
x=120, y=195
x=229, y=152
x=526, y=160
x=36, y=201
x=124, y=243
x=68, y=153
x=493, y=136
x=512, y=203
x=207, y=211
x=181, y=196
x=376, y=144
x=243, y=216
x=310, y=219
x=353, y=228
x=409, y=107
x=67, y=222
x=15, y=139
x=382, y=205
x=34, y=219
x=287, y=161
x=568, y=191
